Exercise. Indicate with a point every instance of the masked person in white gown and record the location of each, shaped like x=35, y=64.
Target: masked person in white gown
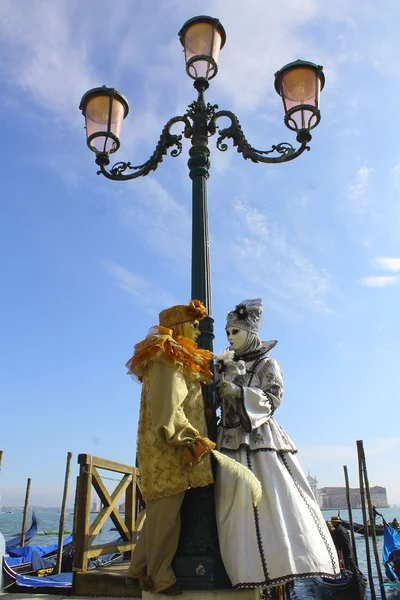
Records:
x=285, y=537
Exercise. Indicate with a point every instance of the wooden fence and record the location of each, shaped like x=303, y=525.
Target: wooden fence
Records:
x=85, y=533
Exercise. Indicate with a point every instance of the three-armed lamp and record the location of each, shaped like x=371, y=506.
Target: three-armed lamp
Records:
x=299, y=84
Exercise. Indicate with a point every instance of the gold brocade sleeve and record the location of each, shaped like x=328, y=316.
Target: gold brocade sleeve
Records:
x=166, y=395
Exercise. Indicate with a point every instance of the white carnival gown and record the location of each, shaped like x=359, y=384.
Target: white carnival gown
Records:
x=285, y=537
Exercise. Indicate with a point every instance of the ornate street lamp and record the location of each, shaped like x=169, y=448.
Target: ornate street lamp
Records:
x=198, y=563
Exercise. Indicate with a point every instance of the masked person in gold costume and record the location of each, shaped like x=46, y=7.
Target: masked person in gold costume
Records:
x=172, y=447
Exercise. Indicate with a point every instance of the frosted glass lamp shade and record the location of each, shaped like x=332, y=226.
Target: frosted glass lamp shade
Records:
x=299, y=84
x=202, y=38
x=104, y=110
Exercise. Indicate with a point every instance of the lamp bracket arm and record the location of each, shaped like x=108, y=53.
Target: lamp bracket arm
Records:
x=167, y=140
x=283, y=151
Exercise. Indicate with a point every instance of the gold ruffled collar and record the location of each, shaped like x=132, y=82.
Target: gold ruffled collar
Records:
x=179, y=350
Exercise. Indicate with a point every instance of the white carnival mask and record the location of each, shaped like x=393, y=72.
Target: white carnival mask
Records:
x=236, y=337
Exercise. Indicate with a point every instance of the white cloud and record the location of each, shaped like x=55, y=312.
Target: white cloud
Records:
x=52, y=46
x=358, y=189
x=379, y=280
x=248, y=47
x=387, y=263
x=269, y=261
x=149, y=296
x=159, y=219
x=43, y=57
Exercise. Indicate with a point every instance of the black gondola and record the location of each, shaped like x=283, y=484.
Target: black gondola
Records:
x=359, y=527
x=351, y=586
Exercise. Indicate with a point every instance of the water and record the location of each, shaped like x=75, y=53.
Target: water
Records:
x=301, y=591
x=10, y=524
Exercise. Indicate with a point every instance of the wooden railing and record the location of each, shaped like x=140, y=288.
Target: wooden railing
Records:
x=85, y=532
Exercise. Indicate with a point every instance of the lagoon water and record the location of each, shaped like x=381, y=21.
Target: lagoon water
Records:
x=10, y=524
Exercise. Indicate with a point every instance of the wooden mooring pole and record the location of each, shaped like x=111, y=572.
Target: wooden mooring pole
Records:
x=62, y=515
x=28, y=491
x=75, y=506
x=365, y=523
x=348, y=498
x=361, y=455
x=1, y=458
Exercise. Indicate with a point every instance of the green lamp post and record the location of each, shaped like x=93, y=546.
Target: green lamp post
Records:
x=198, y=564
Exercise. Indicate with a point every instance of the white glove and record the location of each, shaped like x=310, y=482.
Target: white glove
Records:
x=226, y=388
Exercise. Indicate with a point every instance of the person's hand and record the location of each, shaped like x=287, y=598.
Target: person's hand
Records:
x=231, y=368
x=226, y=388
x=194, y=452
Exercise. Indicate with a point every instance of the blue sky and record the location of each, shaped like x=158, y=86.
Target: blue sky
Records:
x=87, y=264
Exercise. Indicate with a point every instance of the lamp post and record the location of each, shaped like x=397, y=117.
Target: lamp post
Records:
x=198, y=564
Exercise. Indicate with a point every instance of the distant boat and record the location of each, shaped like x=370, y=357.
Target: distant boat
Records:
x=15, y=541
x=359, y=527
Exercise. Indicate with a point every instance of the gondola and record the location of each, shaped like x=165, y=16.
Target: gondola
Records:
x=63, y=580
x=359, y=527
x=15, y=541
x=351, y=586
x=25, y=554
x=38, y=573
x=391, y=554
x=32, y=559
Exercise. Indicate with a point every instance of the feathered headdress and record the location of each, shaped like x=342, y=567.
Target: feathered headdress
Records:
x=246, y=315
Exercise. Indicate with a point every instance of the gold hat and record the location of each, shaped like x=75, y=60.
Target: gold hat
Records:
x=182, y=313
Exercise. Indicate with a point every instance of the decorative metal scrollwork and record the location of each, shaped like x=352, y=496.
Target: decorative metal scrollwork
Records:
x=200, y=121
x=199, y=108
x=167, y=140
x=284, y=150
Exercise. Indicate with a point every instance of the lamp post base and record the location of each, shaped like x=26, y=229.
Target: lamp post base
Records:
x=201, y=573
x=197, y=563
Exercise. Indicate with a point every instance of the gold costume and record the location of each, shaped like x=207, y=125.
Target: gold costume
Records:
x=171, y=368
x=171, y=414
